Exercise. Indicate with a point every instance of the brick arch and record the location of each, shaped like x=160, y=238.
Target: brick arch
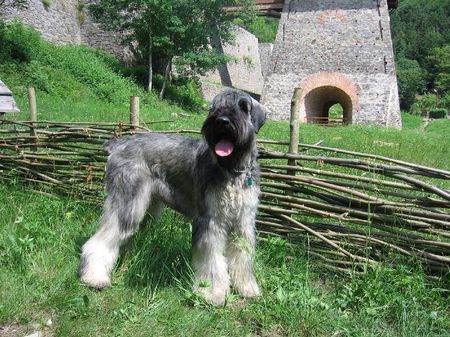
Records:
x=322, y=90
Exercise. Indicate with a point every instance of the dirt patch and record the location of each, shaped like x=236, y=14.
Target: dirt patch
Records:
x=17, y=330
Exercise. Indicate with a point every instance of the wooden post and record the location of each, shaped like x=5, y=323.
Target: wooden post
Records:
x=33, y=114
x=294, y=124
x=134, y=112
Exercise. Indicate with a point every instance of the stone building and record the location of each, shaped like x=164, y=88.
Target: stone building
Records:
x=336, y=52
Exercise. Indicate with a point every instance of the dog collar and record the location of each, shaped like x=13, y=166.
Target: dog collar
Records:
x=248, y=173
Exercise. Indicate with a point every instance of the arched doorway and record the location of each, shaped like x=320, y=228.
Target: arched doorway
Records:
x=318, y=104
x=328, y=97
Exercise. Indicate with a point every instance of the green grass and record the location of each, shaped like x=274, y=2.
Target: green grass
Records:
x=40, y=241
x=429, y=146
x=41, y=236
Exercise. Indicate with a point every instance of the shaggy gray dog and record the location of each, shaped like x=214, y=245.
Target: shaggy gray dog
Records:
x=213, y=180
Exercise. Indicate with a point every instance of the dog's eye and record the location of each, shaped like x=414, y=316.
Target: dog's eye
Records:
x=245, y=105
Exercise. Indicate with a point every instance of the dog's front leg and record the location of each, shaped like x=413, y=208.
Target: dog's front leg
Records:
x=208, y=260
x=240, y=254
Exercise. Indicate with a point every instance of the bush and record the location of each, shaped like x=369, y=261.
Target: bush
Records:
x=84, y=65
x=426, y=103
x=264, y=28
x=18, y=43
x=439, y=62
x=37, y=76
x=445, y=101
x=138, y=73
x=183, y=91
x=438, y=113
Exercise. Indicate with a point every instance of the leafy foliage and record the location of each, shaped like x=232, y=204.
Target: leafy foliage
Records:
x=425, y=103
x=170, y=28
x=264, y=28
x=198, y=63
x=410, y=81
x=19, y=43
x=184, y=91
x=439, y=62
x=421, y=33
x=419, y=26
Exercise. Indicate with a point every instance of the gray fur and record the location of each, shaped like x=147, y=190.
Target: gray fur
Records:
x=220, y=195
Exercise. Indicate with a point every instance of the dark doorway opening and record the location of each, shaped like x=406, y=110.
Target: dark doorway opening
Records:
x=328, y=105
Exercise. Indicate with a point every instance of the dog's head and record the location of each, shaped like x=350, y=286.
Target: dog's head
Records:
x=233, y=120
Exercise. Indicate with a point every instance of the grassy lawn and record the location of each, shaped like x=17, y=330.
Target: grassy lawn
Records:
x=40, y=241
x=41, y=236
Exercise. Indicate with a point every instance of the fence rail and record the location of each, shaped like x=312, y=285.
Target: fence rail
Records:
x=326, y=120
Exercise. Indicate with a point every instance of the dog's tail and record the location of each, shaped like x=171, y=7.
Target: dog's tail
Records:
x=111, y=145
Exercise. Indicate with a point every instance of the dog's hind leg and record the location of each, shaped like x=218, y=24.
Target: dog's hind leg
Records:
x=208, y=260
x=240, y=254
x=124, y=209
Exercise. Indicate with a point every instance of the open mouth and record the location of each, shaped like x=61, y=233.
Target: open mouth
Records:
x=223, y=148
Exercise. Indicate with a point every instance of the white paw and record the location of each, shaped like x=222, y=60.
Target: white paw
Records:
x=249, y=289
x=215, y=296
x=95, y=280
x=96, y=264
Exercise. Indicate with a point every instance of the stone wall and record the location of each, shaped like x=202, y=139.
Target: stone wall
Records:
x=57, y=23
x=347, y=37
x=94, y=36
x=67, y=22
x=265, y=55
x=243, y=72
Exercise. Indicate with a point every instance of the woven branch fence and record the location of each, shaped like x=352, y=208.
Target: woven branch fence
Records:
x=348, y=209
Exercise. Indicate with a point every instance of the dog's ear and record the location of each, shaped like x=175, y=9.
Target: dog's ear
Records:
x=245, y=104
x=258, y=114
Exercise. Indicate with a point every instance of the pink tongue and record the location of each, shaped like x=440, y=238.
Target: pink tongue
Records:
x=224, y=148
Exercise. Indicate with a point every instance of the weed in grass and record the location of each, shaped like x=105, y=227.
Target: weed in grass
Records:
x=396, y=295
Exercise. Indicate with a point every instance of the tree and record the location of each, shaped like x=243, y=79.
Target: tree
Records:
x=418, y=27
x=169, y=28
x=439, y=62
x=421, y=32
x=410, y=81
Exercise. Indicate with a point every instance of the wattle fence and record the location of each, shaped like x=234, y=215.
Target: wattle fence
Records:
x=348, y=209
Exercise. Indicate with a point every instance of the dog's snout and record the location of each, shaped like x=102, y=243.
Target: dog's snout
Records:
x=223, y=121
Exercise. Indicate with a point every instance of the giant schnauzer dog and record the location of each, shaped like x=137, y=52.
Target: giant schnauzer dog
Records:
x=213, y=180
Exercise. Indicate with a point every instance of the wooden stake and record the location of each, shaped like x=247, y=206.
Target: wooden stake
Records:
x=294, y=124
x=33, y=113
x=134, y=112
